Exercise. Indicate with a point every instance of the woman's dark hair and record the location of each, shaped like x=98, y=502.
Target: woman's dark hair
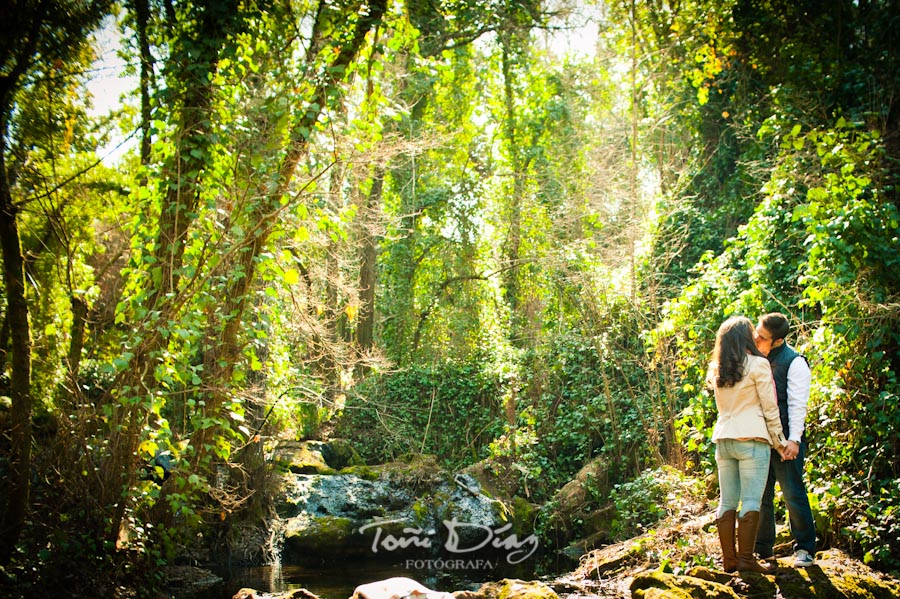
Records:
x=734, y=341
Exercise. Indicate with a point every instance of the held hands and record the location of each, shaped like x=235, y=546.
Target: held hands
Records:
x=789, y=451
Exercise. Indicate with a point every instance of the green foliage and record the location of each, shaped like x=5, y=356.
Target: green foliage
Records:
x=579, y=406
x=451, y=410
x=850, y=234
x=650, y=497
x=876, y=528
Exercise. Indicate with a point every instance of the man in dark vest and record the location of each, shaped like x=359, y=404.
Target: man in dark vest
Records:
x=792, y=384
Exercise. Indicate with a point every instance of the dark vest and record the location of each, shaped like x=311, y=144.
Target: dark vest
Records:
x=780, y=358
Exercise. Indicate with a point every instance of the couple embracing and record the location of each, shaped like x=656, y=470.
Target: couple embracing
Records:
x=761, y=386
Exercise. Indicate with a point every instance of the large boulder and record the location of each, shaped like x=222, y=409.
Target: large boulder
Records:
x=408, y=508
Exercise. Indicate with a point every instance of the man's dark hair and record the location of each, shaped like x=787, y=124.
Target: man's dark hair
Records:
x=777, y=324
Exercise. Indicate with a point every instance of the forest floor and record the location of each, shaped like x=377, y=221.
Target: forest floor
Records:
x=680, y=558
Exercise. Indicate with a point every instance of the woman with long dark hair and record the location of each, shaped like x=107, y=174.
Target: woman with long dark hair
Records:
x=747, y=427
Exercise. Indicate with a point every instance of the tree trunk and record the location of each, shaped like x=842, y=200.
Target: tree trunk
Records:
x=514, y=234
x=76, y=343
x=18, y=486
x=35, y=31
x=142, y=18
x=368, y=255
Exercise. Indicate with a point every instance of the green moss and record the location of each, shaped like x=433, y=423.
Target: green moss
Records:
x=819, y=584
x=362, y=471
x=442, y=506
x=299, y=458
x=709, y=574
x=866, y=586
x=421, y=510
x=321, y=532
x=340, y=453
x=679, y=587
x=510, y=588
x=523, y=515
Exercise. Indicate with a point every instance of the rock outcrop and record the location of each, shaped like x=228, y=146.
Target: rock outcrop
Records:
x=410, y=508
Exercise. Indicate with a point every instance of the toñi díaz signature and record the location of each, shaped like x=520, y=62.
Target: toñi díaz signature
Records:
x=518, y=550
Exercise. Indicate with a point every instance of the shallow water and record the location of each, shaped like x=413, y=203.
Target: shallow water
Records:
x=337, y=580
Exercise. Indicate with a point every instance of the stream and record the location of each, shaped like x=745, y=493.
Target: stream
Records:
x=336, y=531
x=338, y=580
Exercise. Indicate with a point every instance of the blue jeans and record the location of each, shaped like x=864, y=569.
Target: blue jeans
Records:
x=743, y=472
x=803, y=526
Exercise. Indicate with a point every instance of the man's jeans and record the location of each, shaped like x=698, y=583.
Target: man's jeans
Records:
x=789, y=475
x=743, y=467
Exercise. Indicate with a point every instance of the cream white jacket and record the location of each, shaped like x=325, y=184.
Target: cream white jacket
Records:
x=749, y=410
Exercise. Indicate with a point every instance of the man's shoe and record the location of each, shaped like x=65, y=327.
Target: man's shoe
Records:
x=802, y=559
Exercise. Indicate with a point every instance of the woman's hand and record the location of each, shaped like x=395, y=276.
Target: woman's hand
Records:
x=782, y=452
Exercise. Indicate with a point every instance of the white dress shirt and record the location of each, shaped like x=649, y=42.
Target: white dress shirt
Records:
x=799, y=379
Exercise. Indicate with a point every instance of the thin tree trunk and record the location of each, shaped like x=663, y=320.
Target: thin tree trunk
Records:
x=19, y=475
x=4, y=341
x=368, y=255
x=142, y=17
x=76, y=343
x=514, y=235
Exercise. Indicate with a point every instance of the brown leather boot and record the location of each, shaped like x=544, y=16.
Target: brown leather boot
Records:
x=725, y=525
x=746, y=538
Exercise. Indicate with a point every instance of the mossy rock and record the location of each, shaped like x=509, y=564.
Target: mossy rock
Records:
x=496, y=476
x=413, y=470
x=835, y=576
x=573, y=514
x=301, y=457
x=325, y=534
x=710, y=574
x=340, y=454
x=865, y=587
x=523, y=514
x=362, y=471
x=655, y=593
x=662, y=585
x=511, y=588
x=317, y=457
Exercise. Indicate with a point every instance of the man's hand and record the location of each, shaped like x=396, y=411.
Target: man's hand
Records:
x=790, y=451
